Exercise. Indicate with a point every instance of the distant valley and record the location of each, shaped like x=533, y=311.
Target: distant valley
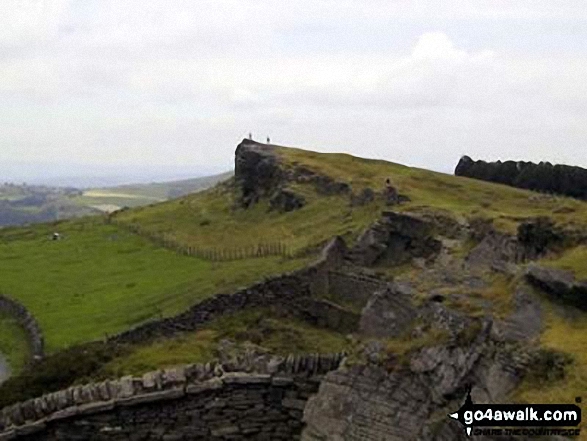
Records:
x=22, y=204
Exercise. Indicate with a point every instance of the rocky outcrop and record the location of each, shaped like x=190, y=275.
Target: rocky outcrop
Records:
x=389, y=313
x=364, y=197
x=256, y=171
x=260, y=398
x=259, y=173
x=524, y=323
x=395, y=239
x=544, y=177
x=534, y=238
x=27, y=321
x=367, y=402
x=286, y=200
x=559, y=285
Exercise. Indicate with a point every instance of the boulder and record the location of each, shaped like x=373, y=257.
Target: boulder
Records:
x=365, y=197
x=286, y=200
x=559, y=284
x=395, y=239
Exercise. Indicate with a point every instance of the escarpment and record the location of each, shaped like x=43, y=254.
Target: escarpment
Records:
x=544, y=177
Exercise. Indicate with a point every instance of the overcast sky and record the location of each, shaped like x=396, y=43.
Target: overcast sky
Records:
x=180, y=82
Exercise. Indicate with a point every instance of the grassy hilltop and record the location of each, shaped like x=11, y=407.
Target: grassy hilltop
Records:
x=103, y=278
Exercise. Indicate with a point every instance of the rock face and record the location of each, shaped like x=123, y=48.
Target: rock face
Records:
x=286, y=200
x=396, y=239
x=388, y=313
x=560, y=285
x=535, y=237
x=524, y=323
x=368, y=403
x=545, y=177
x=256, y=171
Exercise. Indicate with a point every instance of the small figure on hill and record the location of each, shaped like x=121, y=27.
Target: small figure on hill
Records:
x=390, y=194
x=56, y=236
x=250, y=136
x=268, y=140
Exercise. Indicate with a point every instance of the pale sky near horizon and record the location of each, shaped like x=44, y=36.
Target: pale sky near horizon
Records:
x=179, y=83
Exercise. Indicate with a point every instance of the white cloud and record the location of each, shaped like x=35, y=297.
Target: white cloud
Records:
x=159, y=82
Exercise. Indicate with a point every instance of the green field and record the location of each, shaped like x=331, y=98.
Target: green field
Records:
x=101, y=280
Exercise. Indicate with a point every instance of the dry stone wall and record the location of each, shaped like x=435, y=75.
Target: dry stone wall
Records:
x=261, y=399
x=299, y=292
x=27, y=321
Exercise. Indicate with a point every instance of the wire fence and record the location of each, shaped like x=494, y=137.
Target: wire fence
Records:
x=216, y=254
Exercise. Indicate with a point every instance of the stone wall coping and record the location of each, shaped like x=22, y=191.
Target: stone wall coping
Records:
x=169, y=384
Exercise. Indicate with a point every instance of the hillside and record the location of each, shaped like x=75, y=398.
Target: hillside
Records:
x=22, y=204
x=449, y=258
x=109, y=199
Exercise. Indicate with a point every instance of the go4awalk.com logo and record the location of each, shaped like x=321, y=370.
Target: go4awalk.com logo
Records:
x=531, y=420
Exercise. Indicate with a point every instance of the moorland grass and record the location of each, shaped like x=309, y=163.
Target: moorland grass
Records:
x=566, y=334
x=203, y=219
x=574, y=260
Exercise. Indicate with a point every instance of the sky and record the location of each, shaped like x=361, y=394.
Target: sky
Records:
x=146, y=84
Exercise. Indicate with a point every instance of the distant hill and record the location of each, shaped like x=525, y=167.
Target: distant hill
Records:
x=108, y=199
x=22, y=204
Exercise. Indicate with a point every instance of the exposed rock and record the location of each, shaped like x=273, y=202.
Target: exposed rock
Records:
x=334, y=252
x=545, y=177
x=388, y=313
x=365, y=197
x=559, y=284
x=396, y=239
x=525, y=323
x=539, y=235
x=496, y=248
x=369, y=403
x=256, y=171
x=286, y=200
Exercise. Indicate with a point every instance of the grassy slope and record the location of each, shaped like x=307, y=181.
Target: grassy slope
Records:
x=276, y=335
x=574, y=260
x=13, y=343
x=203, y=219
x=458, y=195
x=100, y=279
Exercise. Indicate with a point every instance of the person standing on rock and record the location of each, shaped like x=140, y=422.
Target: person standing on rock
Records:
x=390, y=194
